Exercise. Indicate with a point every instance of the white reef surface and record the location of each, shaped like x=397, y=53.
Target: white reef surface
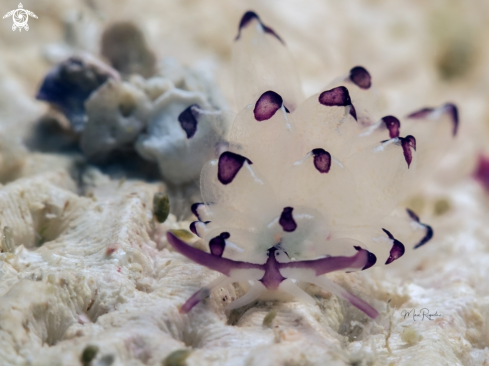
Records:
x=104, y=277
x=86, y=274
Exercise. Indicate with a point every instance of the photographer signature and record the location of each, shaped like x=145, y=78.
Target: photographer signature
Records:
x=423, y=314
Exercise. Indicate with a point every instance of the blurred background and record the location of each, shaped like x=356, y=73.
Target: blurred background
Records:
x=420, y=53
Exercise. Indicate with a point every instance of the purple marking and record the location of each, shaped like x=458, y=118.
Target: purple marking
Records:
x=287, y=220
x=322, y=160
x=193, y=228
x=248, y=17
x=372, y=259
x=217, y=244
x=453, y=110
x=219, y=264
x=336, y=97
x=353, y=112
x=393, y=125
x=194, y=300
x=195, y=209
x=397, y=249
x=360, y=77
x=407, y=143
x=422, y=113
x=330, y=264
x=188, y=120
x=429, y=229
x=266, y=106
x=272, y=277
x=481, y=174
x=448, y=107
x=229, y=165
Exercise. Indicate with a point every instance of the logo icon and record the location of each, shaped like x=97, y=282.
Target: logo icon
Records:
x=20, y=17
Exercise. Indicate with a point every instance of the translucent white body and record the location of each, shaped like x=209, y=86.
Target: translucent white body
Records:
x=321, y=179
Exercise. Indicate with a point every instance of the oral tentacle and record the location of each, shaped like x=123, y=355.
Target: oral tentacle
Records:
x=219, y=264
x=204, y=292
x=288, y=286
x=253, y=293
x=339, y=291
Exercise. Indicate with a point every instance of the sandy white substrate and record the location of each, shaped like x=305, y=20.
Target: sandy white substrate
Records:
x=104, y=276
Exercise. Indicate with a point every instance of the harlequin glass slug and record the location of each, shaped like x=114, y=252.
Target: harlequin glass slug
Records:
x=308, y=187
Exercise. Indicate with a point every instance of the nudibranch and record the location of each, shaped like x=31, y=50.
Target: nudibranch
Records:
x=309, y=187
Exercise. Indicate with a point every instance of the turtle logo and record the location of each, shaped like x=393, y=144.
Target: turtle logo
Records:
x=20, y=17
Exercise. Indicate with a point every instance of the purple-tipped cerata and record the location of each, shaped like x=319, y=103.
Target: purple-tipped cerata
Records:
x=322, y=160
x=195, y=209
x=453, y=110
x=393, y=125
x=481, y=173
x=193, y=227
x=429, y=230
x=337, y=97
x=408, y=143
x=287, y=220
x=372, y=259
x=248, y=17
x=229, y=165
x=218, y=244
x=449, y=108
x=360, y=77
x=188, y=121
x=266, y=106
x=397, y=249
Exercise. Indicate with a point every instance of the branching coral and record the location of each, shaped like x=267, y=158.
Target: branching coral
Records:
x=309, y=187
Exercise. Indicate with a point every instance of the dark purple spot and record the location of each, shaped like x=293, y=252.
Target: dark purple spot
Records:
x=422, y=113
x=429, y=230
x=229, y=165
x=248, y=17
x=286, y=109
x=287, y=220
x=193, y=227
x=195, y=209
x=393, y=125
x=336, y=97
x=397, y=249
x=188, y=120
x=453, y=110
x=217, y=244
x=353, y=112
x=322, y=160
x=266, y=106
x=407, y=143
x=481, y=173
x=372, y=259
x=360, y=77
